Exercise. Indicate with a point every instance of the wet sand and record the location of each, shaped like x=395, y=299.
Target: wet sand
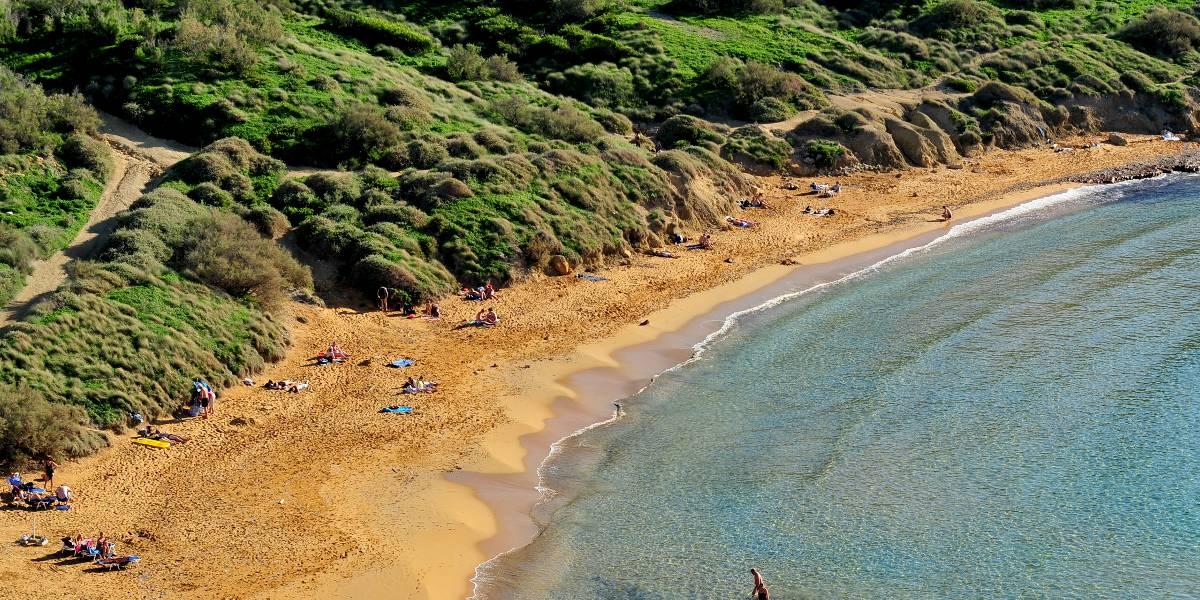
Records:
x=319, y=495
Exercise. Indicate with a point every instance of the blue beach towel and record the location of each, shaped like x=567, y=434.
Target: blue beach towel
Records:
x=590, y=277
x=397, y=410
x=401, y=363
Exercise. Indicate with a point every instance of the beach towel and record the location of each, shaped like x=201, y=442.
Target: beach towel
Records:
x=397, y=410
x=401, y=363
x=590, y=277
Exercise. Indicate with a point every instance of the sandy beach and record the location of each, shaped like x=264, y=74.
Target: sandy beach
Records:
x=317, y=494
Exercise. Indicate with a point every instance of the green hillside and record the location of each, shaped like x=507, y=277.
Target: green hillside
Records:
x=472, y=141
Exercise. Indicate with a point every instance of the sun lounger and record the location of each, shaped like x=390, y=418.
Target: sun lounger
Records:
x=117, y=562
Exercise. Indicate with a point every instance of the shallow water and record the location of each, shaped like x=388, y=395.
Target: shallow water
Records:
x=1011, y=412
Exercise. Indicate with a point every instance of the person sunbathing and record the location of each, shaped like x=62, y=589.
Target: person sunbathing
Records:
x=491, y=318
x=433, y=311
x=298, y=387
x=661, y=253
x=473, y=295
x=743, y=223
x=63, y=493
x=489, y=291
x=704, y=243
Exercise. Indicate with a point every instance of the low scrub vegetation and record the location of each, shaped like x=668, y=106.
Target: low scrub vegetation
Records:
x=51, y=175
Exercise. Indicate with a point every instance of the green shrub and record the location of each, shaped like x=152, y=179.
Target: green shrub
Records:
x=17, y=249
x=335, y=188
x=400, y=213
x=563, y=122
x=612, y=122
x=361, y=133
x=824, y=154
x=754, y=145
x=959, y=14
x=83, y=152
x=960, y=84
x=268, y=220
x=376, y=27
x=209, y=194
x=1164, y=32
x=686, y=130
x=227, y=252
x=770, y=110
x=32, y=428
x=465, y=63
x=425, y=154
x=296, y=200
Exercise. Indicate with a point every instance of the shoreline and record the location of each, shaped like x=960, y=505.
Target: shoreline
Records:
x=577, y=393
x=390, y=499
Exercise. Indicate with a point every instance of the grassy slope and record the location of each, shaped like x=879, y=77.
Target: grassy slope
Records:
x=543, y=181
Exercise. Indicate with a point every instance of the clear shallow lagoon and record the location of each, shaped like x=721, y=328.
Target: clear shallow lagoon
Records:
x=1010, y=413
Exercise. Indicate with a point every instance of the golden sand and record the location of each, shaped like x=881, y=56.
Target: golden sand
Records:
x=319, y=495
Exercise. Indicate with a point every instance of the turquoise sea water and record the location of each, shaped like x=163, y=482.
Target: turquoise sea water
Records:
x=1013, y=412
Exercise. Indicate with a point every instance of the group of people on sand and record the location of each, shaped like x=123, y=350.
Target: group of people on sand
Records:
x=100, y=548
x=418, y=385
x=755, y=202
x=480, y=294
x=45, y=496
x=485, y=318
x=286, y=385
x=333, y=354
x=204, y=399
x=824, y=190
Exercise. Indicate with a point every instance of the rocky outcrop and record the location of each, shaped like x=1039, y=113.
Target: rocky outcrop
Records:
x=918, y=150
x=946, y=148
x=559, y=265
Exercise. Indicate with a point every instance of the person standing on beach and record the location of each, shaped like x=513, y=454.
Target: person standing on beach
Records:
x=946, y=215
x=382, y=295
x=760, y=587
x=48, y=466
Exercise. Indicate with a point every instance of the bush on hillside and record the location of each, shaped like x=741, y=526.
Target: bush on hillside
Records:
x=31, y=120
x=824, y=154
x=269, y=221
x=1164, y=32
x=82, y=152
x=17, y=249
x=32, y=428
x=686, y=130
x=361, y=133
x=466, y=63
x=227, y=252
x=563, y=122
x=377, y=27
x=959, y=14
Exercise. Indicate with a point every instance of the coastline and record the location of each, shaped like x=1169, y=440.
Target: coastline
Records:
x=576, y=392
x=387, y=501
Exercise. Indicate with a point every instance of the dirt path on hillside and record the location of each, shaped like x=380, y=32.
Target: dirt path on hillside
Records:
x=138, y=158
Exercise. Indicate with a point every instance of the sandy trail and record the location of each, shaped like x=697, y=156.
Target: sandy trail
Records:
x=137, y=159
x=310, y=495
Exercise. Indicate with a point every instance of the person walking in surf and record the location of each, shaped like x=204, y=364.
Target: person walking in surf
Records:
x=760, y=587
